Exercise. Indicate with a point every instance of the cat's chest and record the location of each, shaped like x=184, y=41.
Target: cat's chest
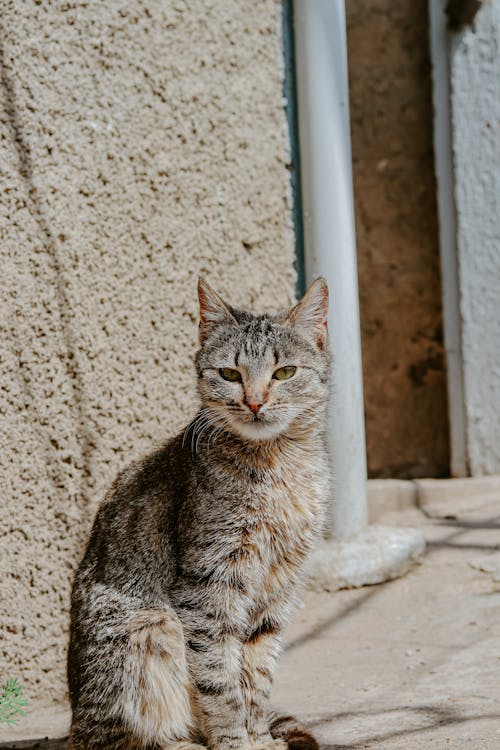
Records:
x=255, y=537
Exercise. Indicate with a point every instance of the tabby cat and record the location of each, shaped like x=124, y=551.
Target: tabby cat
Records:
x=195, y=553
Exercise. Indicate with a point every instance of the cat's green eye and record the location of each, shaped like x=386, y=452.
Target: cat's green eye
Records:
x=229, y=374
x=284, y=373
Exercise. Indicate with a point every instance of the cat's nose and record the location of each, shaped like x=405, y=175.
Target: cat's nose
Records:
x=254, y=406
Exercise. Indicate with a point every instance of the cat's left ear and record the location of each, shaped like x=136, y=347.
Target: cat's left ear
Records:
x=309, y=316
x=213, y=310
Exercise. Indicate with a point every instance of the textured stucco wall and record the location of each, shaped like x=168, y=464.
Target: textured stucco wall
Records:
x=396, y=227
x=475, y=106
x=142, y=143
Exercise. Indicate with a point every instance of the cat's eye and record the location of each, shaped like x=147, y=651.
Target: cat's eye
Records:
x=284, y=373
x=234, y=376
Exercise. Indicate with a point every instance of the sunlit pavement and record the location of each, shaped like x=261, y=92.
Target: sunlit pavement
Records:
x=412, y=663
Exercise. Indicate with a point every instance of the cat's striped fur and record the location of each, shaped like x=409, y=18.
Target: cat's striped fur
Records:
x=195, y=554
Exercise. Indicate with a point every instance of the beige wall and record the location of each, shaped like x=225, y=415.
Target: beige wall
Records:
x=142, y=143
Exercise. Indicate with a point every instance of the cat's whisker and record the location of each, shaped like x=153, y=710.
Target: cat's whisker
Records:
x=208, y=423
x=193, y=424
x=199, y=435
x=215, y=433
x=204, y=419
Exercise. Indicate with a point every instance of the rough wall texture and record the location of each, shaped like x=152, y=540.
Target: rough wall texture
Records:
x=475, y=103
x=398, y=259
x=142, y=143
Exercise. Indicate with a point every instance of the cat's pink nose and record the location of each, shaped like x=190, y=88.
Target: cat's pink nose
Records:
x=254, y=406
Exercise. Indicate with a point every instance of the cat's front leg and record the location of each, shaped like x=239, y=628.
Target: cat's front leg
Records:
x=215, y=666
x=260, y=653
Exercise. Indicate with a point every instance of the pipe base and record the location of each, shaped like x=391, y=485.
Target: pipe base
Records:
x=377, y=554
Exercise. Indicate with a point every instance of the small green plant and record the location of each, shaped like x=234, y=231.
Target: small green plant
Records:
x=12, y=701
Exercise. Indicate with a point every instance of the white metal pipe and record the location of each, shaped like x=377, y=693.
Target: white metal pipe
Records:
x=329, y=236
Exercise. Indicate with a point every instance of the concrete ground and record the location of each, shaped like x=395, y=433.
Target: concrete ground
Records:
x=406, y=665
x=413, y=663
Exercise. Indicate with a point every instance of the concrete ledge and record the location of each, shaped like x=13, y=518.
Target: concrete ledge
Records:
x=430, y=490
x=433, y=496
x=389, y=495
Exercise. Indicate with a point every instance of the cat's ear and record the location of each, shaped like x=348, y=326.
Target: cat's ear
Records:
x=213, y=310
x=309, y=316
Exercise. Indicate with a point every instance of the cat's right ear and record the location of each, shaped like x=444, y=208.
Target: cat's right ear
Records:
x=213, y=310
x=309, y=316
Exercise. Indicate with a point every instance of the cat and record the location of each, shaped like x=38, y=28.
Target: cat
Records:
x=193, y=561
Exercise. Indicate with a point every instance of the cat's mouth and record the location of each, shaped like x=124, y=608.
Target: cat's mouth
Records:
x=257, y=427
x=256, y=419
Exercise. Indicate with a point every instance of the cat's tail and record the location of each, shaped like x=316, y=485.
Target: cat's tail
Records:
x=289, y=729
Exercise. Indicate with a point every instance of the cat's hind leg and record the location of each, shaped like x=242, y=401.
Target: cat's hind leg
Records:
x=156, y=703
x=133, y=684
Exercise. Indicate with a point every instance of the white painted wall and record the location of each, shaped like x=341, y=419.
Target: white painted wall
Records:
x=475, y=120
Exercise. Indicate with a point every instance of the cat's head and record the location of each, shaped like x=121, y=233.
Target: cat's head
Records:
x=263, y=375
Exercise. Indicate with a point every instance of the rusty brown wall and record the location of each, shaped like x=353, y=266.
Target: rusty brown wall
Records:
x=396, y=224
